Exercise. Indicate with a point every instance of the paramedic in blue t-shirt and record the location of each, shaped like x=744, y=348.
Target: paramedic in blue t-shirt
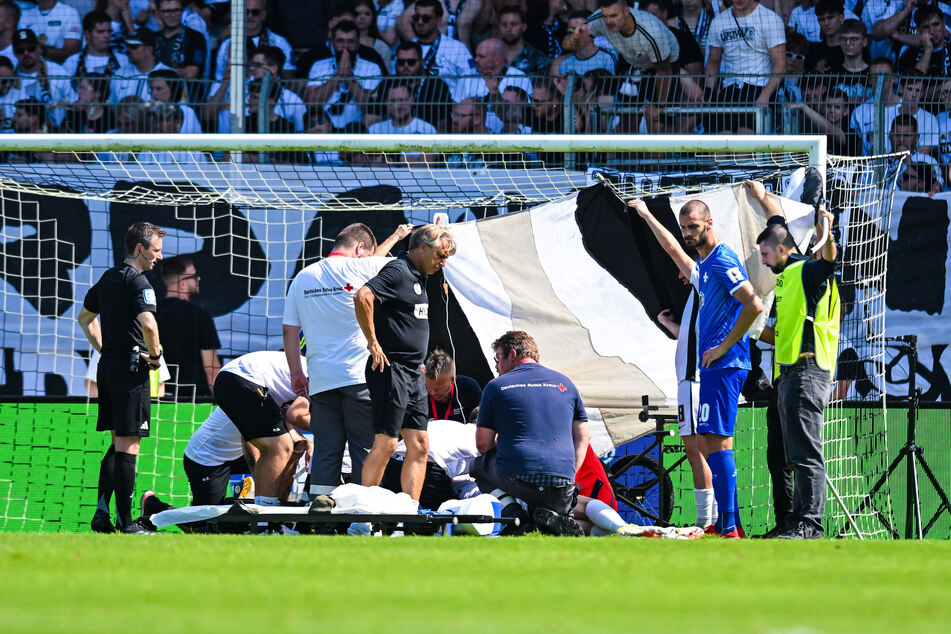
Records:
x=728, y=307
x=532, y=429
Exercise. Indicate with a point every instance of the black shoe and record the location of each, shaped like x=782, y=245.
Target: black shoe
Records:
x=135, y=528
x=800, y=531
x=552, y=523
x=102, y=523
x=771, y=534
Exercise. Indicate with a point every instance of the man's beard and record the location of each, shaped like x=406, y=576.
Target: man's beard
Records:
x=777, y=268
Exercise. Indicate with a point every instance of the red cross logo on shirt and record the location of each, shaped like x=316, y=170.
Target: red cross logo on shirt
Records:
x=348, y=288
x=561, y=386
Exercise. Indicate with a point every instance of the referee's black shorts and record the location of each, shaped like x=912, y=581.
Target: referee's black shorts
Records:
x=249, y=406
x=398, y=396
x=124, y=405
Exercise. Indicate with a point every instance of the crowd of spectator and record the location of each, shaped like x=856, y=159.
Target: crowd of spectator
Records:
x=490, y=66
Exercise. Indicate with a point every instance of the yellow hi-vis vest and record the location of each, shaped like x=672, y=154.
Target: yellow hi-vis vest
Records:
x=791, y=317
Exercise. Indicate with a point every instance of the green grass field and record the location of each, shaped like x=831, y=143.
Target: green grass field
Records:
x=186, y=583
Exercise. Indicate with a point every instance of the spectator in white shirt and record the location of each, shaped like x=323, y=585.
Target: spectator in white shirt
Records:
x=256, y=14
x=442, y=55
x=166, y=87
x=494, y=74
x=342, y=84
x=747, y=46
x=97, y=56
x=134, y=79
x=903, y=137
x=399, y=105
x=44, y=80
x=57, y=27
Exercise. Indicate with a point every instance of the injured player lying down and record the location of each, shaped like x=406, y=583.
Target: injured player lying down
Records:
x=452, y=450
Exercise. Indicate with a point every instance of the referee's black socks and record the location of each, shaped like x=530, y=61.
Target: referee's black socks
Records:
x=124, y=479
x=106, y=484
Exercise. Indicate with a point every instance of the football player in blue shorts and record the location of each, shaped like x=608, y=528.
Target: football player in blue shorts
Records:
x=728, y=307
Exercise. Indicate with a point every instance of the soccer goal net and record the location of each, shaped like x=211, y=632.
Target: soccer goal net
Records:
x=250, y=211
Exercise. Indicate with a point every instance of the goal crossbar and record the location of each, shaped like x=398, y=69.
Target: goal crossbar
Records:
x=814, y=145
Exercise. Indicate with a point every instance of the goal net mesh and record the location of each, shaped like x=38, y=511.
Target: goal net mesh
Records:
x=251, y=226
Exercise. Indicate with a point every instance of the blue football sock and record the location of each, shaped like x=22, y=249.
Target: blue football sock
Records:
x=723, y=466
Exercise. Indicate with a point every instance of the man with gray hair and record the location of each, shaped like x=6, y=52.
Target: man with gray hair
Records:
x=393, y=312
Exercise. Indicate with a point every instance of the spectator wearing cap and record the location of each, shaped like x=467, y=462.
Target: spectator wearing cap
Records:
x=494, y=74
x=9, y=94
x=134, y=80
x=584, y=55
x=258, y=36
x=177, y=45
x=165, y=86
x=97, y=56
x=9, y=16
x=43, y=80
x=57, y=27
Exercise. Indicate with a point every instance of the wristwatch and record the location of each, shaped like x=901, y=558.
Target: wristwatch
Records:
x=156, y=357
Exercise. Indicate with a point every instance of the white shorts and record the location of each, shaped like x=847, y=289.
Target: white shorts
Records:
x=688, y=396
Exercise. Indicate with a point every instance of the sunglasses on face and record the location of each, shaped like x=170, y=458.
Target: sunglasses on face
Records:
x=796, y=56
x=407, y=62
x=193, y=276
x=255, y=12
x=19, y=50
x=423, y=19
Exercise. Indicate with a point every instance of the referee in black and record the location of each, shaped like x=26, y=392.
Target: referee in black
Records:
x=128, y=340
x=393, y=312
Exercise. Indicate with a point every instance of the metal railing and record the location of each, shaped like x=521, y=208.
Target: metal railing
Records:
x=604, y=104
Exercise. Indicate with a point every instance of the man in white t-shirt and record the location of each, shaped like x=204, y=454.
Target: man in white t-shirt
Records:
x=217, y=449
x=494, y=75
x=442, y=55
x=256, y=12
x=399, y=105
x=57, y=27
x=320, y=303
x=747, y=38
x=640, y=39
x=254, y=392
x=97, y=56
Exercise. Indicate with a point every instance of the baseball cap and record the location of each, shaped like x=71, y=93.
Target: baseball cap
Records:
x=25, y=37
x=142, y=36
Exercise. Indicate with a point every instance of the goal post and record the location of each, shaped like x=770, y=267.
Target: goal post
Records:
x=253, y=225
